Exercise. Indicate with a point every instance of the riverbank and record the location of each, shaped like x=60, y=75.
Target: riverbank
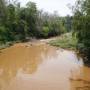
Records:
x=31, y=41
x=66, y=41
x=6, y=45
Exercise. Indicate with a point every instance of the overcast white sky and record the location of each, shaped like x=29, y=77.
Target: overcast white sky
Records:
x=52, y=5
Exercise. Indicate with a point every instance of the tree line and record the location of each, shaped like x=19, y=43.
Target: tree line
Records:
x=21, y=23
x=81, y=26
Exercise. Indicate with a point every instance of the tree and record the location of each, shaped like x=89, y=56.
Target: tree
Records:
x=2, y=11
x=31, y=17
x=81, y=25
x=68, y=23
x=21, y=23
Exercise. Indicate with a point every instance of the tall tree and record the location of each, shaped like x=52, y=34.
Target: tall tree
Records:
x=31, y=17
x=2, y=11
x=82, y=25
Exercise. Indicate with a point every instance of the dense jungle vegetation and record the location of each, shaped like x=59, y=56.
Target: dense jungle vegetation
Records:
x=20, y=23
x=81, y=26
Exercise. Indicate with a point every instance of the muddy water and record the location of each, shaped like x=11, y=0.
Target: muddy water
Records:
x=42, y=67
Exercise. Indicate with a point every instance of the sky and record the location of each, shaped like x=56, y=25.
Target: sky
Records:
x=61, y=6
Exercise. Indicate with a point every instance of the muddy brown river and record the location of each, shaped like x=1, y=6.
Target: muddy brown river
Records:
x=26, y=66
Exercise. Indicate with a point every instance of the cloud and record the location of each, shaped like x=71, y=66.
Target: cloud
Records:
x=53, y=5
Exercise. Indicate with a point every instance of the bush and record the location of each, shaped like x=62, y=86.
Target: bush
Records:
x=45, y=31
x=4, y=34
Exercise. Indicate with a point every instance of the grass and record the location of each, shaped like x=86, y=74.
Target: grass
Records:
x=66, y=41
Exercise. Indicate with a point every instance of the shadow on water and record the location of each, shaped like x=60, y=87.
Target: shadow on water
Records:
x=81, y=82
x=86, y=60
x=87, y=63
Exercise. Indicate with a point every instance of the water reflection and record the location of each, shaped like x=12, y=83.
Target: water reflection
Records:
x=20, y=58
x=41, y=67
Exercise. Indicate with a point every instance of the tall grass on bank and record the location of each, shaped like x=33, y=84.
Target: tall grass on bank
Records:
x=66, y=41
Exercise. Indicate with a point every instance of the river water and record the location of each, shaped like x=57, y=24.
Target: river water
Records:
x=39, y=66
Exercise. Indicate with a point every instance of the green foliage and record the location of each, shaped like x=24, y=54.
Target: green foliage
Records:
x=4, y=35
x=81, y=24
x=19, y=23
x=31, y=17
x=45, y=31
x=2, y=12
x=66, y=41
x=68, y=23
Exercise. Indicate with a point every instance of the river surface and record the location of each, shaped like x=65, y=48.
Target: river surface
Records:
x=39, y=66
